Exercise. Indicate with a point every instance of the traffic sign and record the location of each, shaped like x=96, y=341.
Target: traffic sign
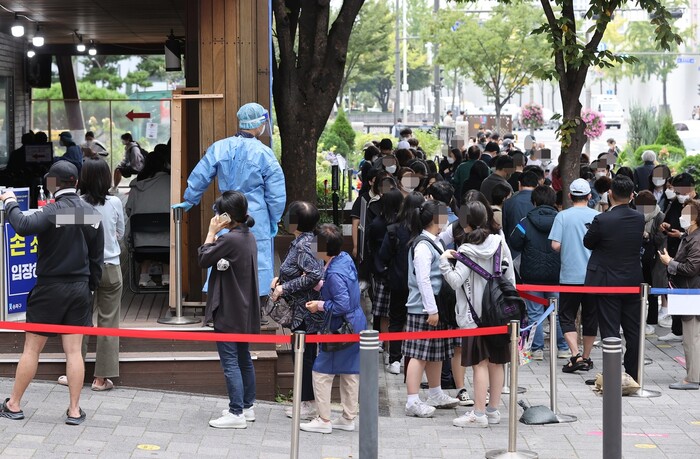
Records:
x=685, y=60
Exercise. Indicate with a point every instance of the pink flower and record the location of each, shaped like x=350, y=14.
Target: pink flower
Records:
x=531, y=116
x=595, y=126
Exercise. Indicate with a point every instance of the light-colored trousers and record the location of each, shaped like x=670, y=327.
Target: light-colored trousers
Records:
x=107, y=301
x=349, y=391
x=691, y=347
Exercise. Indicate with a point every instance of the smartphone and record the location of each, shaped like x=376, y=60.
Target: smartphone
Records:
x=224, y=218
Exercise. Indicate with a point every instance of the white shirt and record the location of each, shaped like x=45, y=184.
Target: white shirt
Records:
x=422, y=260
x=113, y=223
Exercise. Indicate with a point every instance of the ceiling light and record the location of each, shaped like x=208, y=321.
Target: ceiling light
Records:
x=92, y=51
x=17, y=28
x=31, y=53
x=38, y=39
x=80, y=46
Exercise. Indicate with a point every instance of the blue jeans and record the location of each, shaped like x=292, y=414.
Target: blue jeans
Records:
x=534, y=311
x=239, y=374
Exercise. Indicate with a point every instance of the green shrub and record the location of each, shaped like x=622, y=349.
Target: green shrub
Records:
x=691, y=164
x=643, y=127
x=668, y=135
x=664, y=154
x=429, y=142
x=331, y=141
x=342, y=128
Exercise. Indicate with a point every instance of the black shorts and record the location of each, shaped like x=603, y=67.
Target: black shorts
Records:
x=60, y=304
x=568, y=309
x=127, y=171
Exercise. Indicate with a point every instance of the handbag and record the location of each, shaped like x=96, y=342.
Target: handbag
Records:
x=279, y=310
x=344, y=329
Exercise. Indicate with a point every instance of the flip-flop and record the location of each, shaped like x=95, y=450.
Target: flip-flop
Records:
x=63, y=380
x=71, y=421
x=5, y=412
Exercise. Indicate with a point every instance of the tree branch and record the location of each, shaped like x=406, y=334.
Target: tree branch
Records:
x=556, y=33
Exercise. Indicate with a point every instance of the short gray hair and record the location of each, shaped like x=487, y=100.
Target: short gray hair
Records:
x=648, y=156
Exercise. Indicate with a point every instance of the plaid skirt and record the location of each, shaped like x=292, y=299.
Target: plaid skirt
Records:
x=430, y=350
x=382, y=297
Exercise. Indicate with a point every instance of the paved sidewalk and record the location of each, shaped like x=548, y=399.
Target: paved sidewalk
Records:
x=120, y=421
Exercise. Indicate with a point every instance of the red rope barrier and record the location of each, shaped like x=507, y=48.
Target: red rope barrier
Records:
x=579, y=289
x=536, y=299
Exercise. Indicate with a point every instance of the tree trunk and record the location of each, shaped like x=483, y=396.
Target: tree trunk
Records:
x=663, y=85
x=499, y=106
x=298, y=162
x=570, y=158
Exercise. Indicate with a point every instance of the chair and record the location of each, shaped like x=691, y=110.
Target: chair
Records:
x=145, y=224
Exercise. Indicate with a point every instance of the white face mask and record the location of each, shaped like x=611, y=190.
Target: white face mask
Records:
x=450, y=160
x=683, y=198
x=600, y=174
x=658, y=181
x=391, y=169
x=684, y=221
x=670, y=194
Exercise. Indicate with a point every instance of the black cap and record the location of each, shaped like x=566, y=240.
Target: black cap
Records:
x=64, y=171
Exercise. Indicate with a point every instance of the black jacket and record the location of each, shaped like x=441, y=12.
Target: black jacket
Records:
x=393, y=253
x=70, y=248
x=539, y=263
x=642, y=175
x=615, y=238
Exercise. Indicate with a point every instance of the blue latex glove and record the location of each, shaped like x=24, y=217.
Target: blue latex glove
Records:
x=183, y=205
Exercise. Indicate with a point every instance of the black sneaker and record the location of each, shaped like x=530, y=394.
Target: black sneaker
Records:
x=6, y=413
x=463, y=397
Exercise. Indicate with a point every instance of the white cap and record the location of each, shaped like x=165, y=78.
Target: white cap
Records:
x=579, y=187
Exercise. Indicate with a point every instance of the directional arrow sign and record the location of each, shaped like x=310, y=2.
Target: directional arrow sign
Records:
x=131, y=115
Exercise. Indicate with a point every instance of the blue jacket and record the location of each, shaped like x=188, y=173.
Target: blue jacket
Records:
x=73, y=155
x=341, y=295
x=246, y=165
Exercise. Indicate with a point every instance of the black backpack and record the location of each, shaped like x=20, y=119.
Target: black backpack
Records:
x=446, y=299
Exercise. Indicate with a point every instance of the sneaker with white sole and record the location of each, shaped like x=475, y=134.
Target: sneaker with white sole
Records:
x=394, y=368
x=317, y=425
x=307, y=411
x=420, y=410
x=671, y=338
x=494, y=417
x=665, y=321
x=649, y=329
x=538, y=354
x=229, y=421
x=341, y=423
x=463, y=397
x=563, y=354
x=471, y=420
x=442, y=401
x=248, y=413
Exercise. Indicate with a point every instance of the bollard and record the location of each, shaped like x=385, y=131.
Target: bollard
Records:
x=178, y=318
x=553, y=364
x=512, y=451
x=641, y=392
x=369, y=395
x=612, y=398
x=298, y=344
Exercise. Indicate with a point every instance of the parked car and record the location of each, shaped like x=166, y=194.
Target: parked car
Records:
x=689, y=133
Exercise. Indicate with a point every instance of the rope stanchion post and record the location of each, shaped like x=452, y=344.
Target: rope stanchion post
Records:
x=178, y=318
x=612, y=398
x=641, y=392
x=298, y=344
x=512, y=451
x=553, y=364
x=369, y=395
x=506, y=387
x=3, y=267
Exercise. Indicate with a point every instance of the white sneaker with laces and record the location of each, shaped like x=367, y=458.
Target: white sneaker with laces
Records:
x=341, y=423
x=420, y=410
x=649, y=329
x=665, y=321
x=307, y=411
x=317, y=425
x=538, y=354
x=442, y=401
x=229, y=421
x=248, y=414
x=470, y=420
x=394, y=368
x=563, y=354
x=671, y=338
x=494, y=417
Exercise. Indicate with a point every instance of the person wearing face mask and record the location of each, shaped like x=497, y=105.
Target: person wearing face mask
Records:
x=454, y=159
x=657, y=184
x=243, y=163
x=684, y=270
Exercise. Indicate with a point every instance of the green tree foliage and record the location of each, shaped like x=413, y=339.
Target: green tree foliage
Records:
x=665, y=154
x=498, y=54
x=668, y=135
x=329, y=140
x=691, y=164
x=104, y=70
x=643, y=127
x=342, y=128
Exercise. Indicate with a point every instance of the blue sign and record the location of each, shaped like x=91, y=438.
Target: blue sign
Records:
x=20, y=268
x=22, y=195
x=685, y=60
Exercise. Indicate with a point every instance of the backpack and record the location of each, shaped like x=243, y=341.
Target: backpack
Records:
x=137, y=157
x=446, y=299
x=500, y=302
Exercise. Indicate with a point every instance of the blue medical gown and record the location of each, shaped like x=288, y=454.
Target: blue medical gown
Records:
x=249, y=166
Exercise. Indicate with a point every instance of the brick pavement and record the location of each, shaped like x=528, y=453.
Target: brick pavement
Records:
x=121, y=420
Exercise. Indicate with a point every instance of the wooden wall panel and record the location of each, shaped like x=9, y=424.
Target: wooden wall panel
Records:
x=232, y=100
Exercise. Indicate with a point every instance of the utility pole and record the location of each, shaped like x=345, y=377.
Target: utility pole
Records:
x=436, y=72
x=404, y=85
x=397, y=67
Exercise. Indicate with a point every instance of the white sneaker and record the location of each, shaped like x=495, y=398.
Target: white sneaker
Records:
x=248, y=414
x=671, y=338
x=665, y=321
x=442, y=401
x=494, y=417
x=471, y=420
x=144, y=279
x=538, y=354
x=317, y=425
x=649, y=329
x=307, y=411
x=563, y=354
x=342, y=423
x=420, y=410
x=229, y=421
x=394, y=368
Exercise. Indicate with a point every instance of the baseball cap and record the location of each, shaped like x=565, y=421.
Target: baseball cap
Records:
x=251, y=116
x=403, y=145
x=64, y=171
x=579, y=187
x=66, y=135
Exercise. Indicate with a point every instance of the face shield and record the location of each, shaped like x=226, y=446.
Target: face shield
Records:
x=265, y=121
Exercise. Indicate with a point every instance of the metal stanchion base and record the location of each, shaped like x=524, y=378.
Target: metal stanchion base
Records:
x=174, y=320
x=506, y=390
x=504, y=454
x=644, y=393
x=648, y=361
x=562, y=418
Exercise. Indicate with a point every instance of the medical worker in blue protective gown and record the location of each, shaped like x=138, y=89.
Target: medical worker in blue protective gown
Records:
x=243, y=163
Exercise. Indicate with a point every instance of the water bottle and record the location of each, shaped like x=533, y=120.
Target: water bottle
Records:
x=49, y=197
x=41, y=201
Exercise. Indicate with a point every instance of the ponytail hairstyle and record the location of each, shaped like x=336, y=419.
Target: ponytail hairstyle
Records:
x=476, y=195
x=423, y=216
x=410, y=203
x=477, y=219
x=235, y=204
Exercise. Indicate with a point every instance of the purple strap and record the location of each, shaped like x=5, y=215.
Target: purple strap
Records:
x=474, y=266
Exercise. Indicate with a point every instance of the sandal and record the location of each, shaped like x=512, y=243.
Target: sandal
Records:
x=108, y=385
x=575, y=364
x=5, y=412
x=63, y=380
x=71, y=421
x=589, y=364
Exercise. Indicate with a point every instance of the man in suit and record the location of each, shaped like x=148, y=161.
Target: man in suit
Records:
x=615, y=239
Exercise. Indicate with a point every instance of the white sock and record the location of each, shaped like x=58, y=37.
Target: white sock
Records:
x=411, y=399
x=434, y=391
x=479, y=414
x=490, y=410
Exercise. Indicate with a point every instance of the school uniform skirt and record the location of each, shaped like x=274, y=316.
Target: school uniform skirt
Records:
x=430, y=350
x=382, y=297
x=476, y=349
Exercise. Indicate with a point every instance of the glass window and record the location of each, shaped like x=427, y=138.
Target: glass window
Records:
x=5, y=120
